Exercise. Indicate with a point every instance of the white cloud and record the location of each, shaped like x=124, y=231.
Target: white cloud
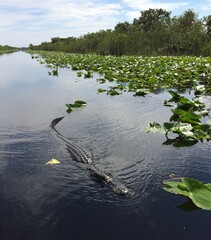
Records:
x=54, y=17
x=207, y=7
x=34, y=21
x=146, y=4
x=86, y=10
x=135, y=6
x=43, y=13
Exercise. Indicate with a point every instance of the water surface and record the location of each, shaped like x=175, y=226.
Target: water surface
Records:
x=62, y=202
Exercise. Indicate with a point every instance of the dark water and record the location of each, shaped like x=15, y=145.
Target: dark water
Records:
x=60, y=202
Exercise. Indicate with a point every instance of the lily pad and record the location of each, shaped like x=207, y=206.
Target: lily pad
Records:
x=100, y=90
x=185, y=122
x=76, y=105
x=197, y=191
x=154, y=127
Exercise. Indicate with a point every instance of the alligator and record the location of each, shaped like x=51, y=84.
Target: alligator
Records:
x=80, y=155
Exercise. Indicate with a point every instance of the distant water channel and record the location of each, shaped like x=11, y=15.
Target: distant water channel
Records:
x=62, y=202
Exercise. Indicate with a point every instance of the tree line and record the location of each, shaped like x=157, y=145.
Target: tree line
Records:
x=155, y=32
x=7, y=48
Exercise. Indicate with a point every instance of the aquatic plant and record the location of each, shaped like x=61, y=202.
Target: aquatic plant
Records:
x=144, y=75
x=55, y=72
x=76, y=105
x=186, y=122
x=198, y=192
x=139, y=74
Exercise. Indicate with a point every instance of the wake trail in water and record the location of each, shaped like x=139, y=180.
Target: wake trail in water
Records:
x=80, y=155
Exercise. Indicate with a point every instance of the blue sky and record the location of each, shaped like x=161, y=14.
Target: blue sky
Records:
x=34, y=21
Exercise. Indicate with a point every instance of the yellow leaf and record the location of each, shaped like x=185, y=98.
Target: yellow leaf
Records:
x=53, y=161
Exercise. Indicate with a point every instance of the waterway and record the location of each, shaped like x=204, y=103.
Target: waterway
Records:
x=60, y=202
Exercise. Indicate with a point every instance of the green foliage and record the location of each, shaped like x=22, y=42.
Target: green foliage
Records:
x=188, y=34
x=208, y=25
x=112, y=92
x=155, y=127
x=185, y=122
x=100, y=90
x=88, y=74
x=155, y=32
x=151, y=19
x=140, y=75
x=79, y=74
x=7, y=49
x=75, y=106
x=141, y=92
x=55, y=72
x=197, y=191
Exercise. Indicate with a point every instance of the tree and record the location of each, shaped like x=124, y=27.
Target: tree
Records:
x=152, y=18
x=206, y=49
x=122, y=27
x=155, y=32
x=55, y=39
x=187, y=33
x=208, y=26
x=154, y=27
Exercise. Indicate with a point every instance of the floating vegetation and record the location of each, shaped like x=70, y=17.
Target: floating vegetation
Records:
x=75, y=106
x=79, y=74
x=88, y=74
x=186, y=122
x=55, y=72
x=198, y=192
x=139, y=74
x=189, y=123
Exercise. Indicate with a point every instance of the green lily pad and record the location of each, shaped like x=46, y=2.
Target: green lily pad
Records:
x=77, y=105
x=185, y=121
x=100, y=90
x=154, y=127
x=191, y=117
x=112, y=92
x=197, y=191
x=141, y=92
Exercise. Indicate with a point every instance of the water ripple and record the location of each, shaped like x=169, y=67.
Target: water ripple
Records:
x=44, y=201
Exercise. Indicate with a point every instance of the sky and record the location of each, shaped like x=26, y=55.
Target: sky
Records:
x=24, y=22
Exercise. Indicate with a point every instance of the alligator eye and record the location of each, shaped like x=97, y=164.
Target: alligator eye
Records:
x=126, y=191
